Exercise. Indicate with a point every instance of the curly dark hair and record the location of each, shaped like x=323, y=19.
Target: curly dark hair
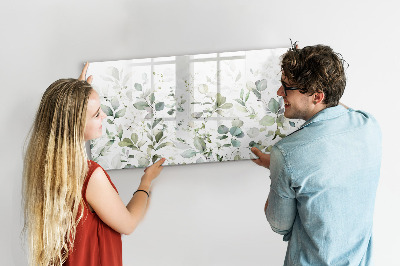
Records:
x=316, y=69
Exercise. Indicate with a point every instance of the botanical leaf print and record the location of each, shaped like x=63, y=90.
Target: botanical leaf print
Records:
x=189, y=109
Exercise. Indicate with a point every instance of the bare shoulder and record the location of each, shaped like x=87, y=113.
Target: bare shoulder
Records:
x=98, y=183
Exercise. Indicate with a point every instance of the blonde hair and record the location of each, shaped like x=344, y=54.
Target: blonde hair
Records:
x=55, y=167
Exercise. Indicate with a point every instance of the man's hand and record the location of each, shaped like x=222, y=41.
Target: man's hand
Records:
x=263, y=159
x=83, y=74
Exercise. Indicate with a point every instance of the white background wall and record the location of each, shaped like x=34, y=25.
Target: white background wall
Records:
x=210, y=214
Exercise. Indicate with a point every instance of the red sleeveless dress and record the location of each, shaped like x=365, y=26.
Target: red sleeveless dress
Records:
x=95, y=242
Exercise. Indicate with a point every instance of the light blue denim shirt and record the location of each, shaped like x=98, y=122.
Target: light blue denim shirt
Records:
x=323, y=183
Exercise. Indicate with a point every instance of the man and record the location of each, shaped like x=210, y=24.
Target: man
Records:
x=324, y=175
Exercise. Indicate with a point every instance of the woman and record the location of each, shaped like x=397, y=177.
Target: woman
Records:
x=73, y=213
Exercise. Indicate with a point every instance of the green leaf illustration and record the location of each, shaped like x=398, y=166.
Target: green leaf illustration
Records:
x=114, y=72
x=155, y=158
x=235, y=143
x=223, y=129
x=197, y=114
x=267, y=121
x=125, y=143
x=199, y=144
x=138, y=87
x=220, y=99
x=152, y=98
x=159, y=136
x=159, y=106
x=240, y=101
x=155, y=123
x=140, y=105
x=261, y=84
x=235, y=131
x=222, y=137
x=115, y=103
x=237, y=122
x=107, y=110
x=143, y=162
x=257, y=93
x=203, y=88
x=253, y=132
x=134, y=137
x=273, y=105
x=226, y=106
x=120, y=113
x=188, y=153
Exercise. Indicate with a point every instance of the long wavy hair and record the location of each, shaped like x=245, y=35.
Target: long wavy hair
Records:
x=55, y=167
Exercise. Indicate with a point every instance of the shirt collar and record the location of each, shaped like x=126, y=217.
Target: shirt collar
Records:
x=326, y=114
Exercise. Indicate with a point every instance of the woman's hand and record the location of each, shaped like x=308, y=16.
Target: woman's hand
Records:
x=151, y=172
x=83, y=74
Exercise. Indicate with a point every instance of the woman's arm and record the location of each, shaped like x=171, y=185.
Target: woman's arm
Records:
x=108, y=205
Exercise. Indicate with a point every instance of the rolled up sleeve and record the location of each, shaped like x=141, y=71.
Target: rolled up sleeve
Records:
x=281, y=210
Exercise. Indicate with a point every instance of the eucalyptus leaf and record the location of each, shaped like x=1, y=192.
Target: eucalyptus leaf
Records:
x=188, y=153
x=241, y=108
x=199, y=144
x=267, y=121
x=237, y=122
x=134, y=137
x=235, y=143
x=197, y=114
x=162, y=145
x=155, y=158
x=240, y=101
x=257, y=93
x=247, y=96
x=107, y=110
x=152, y=98
x=241, y=135
x=238, y=77
x=203, y=88
x=273, y=105
x=226, y=106
x=120, y=113
x=261, y=84
x=223, y=129
x=127, y=77
x=140, y=105
x=220, y=99
x=125, y=142
x=241, y=94
x=235, y=131
x=138, y=87
x=155, y=123
x=253, y=132
x=141, y=143
x=159, y=106
x=222, y=137
x=114, y=72
x=159, y=136
x=143, y=162
x=120, y=131
x=115, y=103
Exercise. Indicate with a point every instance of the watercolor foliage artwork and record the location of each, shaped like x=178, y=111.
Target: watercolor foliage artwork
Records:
x=189, y=109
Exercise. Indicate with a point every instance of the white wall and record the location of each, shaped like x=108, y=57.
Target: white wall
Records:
x=210, y=214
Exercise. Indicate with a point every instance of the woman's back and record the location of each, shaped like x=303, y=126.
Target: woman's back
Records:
x=95, y=242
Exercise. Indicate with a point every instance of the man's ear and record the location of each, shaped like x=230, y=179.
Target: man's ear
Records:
x=318, y=97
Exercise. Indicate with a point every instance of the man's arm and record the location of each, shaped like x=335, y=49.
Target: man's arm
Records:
x=280, y=207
